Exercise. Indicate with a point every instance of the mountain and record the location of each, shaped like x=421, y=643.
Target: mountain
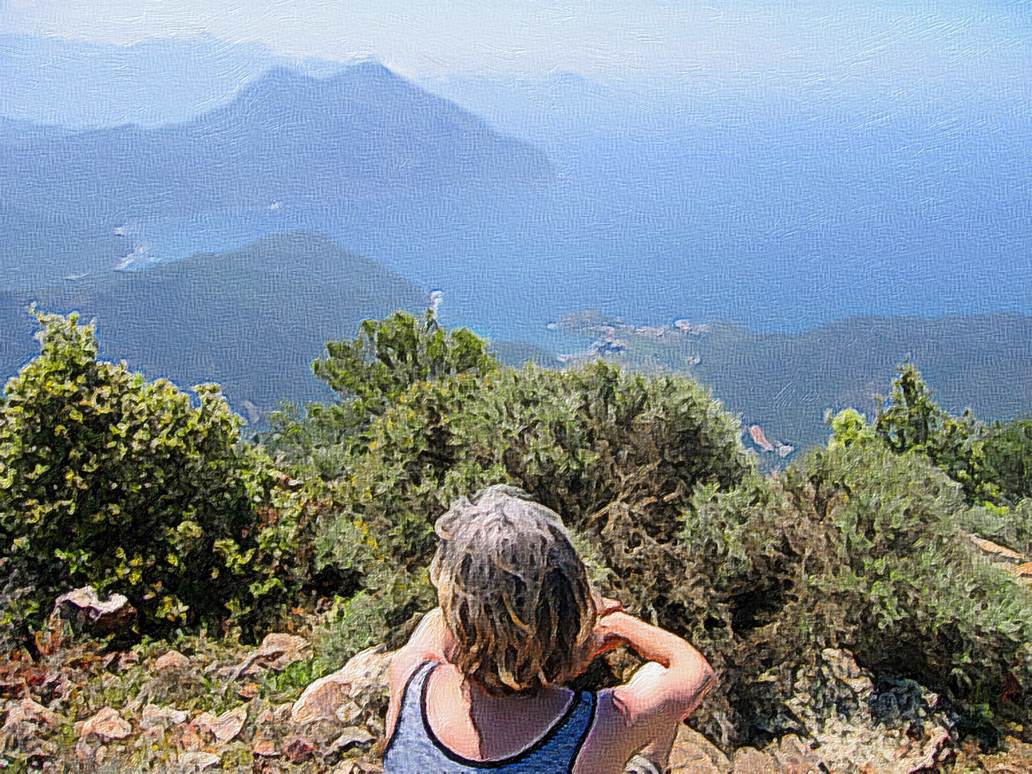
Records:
x=87, y=85
x=363, y=138
x=252, y=319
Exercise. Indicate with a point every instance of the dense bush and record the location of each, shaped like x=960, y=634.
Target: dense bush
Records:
x=584, y=442
x=578, y=441
x=992, y=463
x=857, y=547
x=1009, y=526
x=110, y=480
x=908, y=593
x=369, y=373
x=1008, y=449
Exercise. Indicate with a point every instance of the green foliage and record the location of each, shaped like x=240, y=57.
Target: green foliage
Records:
x=849, y=427
x=858, y=547
x=578, y=441
x=1008, y=449
x=618, y=455
x=390, y=356
x=896, y=581
x=1008, y=525
x=369, y=373
x=110, y=480
x=911, y=421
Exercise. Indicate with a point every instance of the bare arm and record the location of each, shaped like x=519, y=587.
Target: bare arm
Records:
x=663, y=692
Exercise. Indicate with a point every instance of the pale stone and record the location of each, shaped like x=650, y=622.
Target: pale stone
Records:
x=226, y=726
x=365, y=676
x=197, y=761
x=276, y=652
x=171, y=661
x=265, y=748
x=693, y=752
x=85, y=611
x=107, y=725
x=155, y=716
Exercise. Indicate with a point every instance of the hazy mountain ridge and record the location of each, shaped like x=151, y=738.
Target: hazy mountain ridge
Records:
x=363, y=137
x=252, y=319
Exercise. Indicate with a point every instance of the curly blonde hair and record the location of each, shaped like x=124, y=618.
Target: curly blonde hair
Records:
x=514, y=593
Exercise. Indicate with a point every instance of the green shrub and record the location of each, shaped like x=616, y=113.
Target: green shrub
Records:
x=618, y=455
x=578, y=441
x=1008, y=448
x=1010, y=526
x=111, y=480
x=911, y=421
x=893, y=579
x=369, y=373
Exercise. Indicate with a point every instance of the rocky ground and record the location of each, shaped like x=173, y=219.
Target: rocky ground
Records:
x=80, y=706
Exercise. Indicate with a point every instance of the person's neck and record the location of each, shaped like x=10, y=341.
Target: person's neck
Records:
x=475, y=693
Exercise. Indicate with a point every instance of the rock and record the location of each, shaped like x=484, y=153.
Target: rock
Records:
x=298, y=749
x=265, y=748
x=248, y=691
x=56, y=688
x=692, y=752
x=352, y=736
x=796, y=757
x=846, y=722
x=161, y=717
x=29, y=711
x=107, y=725
x=749, y=760
x=276, y=652
x=25, y=721
x=359, y=687
x=197, y=761
x=934, y=751
x=172, y=661
x=274, y=716
x=225, y=727
x=86, y=612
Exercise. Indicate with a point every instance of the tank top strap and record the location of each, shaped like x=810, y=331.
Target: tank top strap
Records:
x=412, y=697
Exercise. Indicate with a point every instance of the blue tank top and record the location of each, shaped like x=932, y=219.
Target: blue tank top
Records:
x=415, y=749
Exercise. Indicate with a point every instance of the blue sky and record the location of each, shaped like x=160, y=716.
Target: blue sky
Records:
x=870, y=41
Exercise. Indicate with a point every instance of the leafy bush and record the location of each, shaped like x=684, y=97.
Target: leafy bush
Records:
x=618, y=455
x=578, y=441
x=912, y=421
x=1008, y=447
x=1010, y=526
x=905, y=590
x=369, y=373
x=110, y=480
x=857, y=547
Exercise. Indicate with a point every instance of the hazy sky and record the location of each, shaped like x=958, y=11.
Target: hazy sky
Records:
x=605, y=39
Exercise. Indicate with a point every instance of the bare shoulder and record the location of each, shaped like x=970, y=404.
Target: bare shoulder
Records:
x=403, y=664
